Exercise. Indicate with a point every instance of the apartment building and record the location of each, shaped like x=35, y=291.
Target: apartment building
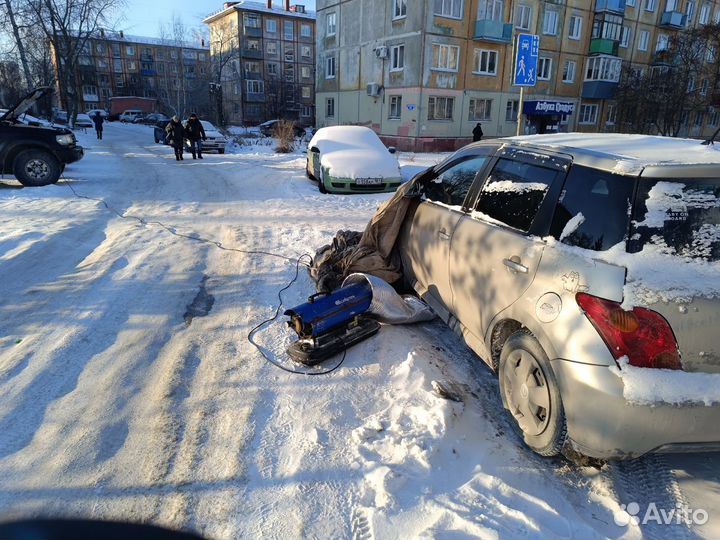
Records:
x=266, y=55
x=116, y=64
x=422, y=73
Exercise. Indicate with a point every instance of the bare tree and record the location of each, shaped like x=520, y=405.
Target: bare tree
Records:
x=17, y=34
x=224, y=55
x=68, y=25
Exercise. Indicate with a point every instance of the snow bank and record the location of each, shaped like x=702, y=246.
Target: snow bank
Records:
x=354, y=152
x=653, y=386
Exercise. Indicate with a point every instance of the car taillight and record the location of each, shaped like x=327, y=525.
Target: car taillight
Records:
x=643, y=335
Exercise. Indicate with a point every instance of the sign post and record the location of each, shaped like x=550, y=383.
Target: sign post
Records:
x=527, y=47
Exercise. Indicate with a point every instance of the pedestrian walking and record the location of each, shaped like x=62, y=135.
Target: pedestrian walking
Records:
x=98, y=121
x=195, y=133
x=175, y=135
x=477, y=133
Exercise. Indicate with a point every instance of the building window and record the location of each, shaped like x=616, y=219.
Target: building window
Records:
x=255, y=87
x=662, y=43
x=550, y=22
x=115, y=49
x=100, y=48
x=714, y=117
x=271, y=47
x=603, y=68
x=253, y=44
x=588, y=114
x=705, y=14
x=544, y=69
x=569, y=71
x=330, y=25
x=485, y=62
x=575, y=27
x=288, y=30
x=305, y=31
x=250, y=20
x=607, y=26
x=305, y=51
x=330, y=67
x=305, y=72
x=272, y=69
x=271, y=26
x=643, y=41
x=306, y=111
x=330, y=107
x=449, y=8
x=689, y=12
x=445, y=57
x=252, y=67
x=691, y=85
x=625, y=37
x=630, y=3
x=611, y=114
x=395, y=107
x=480, y=109
x=650, y=5
x=511, y=110
x=117, y=65
x=491, y=10
x=289, y=52
x=397, y=57
x=306, y=92
x=440, y=108
x=290, y=72
x=523, y=17
x=130, y=51
x=699, y=117
x=399, y=9
x=711, y=54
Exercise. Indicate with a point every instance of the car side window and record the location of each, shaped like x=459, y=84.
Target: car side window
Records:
x=452, y=185
x=514, y=192
x=593, y=209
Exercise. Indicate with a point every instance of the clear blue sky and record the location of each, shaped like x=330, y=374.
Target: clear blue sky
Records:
x=143, y=17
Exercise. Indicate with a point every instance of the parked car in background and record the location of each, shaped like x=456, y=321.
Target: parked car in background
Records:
x=35, y=154
x=152, y=119
x=84, y=121
x=215, y=141
x=585, y=270
x=351, y=159
x=130, y=115
x=59, y=117
x=268, y=128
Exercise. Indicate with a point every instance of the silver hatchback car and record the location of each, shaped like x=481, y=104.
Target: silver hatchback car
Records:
x=585, y=270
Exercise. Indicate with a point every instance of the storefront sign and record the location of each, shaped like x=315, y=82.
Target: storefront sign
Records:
x=548, y=108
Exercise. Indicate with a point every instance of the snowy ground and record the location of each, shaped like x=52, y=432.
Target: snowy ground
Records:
x=128, y=389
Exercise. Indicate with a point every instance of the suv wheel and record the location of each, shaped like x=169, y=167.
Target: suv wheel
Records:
x=531, y=393
x=36, y=168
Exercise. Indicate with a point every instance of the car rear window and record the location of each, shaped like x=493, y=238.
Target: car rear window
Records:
x=679, y=216
x=593, y=211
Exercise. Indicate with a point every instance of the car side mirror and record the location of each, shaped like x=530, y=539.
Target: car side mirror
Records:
x=392, y=149
x=315, y=150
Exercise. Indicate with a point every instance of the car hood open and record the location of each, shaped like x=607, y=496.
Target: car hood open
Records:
x=25, y=103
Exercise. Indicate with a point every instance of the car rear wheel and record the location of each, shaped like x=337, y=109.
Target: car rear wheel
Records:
x=36, y=168
x=531, y=394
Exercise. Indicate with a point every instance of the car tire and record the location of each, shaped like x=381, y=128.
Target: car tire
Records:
x=36, y=168
x=531, y=394
x=321, y=182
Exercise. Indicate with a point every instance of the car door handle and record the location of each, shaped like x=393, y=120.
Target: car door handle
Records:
x=514, y=265
x=442, y=233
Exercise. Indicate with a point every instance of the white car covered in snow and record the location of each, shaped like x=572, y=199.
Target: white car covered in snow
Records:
x=351, y=159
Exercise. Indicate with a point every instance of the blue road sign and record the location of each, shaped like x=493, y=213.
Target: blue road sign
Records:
x=526, y=60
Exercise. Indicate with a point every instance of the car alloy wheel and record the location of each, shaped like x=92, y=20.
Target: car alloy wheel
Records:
x=526, y=392
x=37, y=170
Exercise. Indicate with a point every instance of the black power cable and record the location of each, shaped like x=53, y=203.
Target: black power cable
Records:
x=217, y=244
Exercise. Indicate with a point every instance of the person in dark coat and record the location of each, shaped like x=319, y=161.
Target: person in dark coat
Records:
x=175, y=135
x=477, y=133
x=98, y=121
x=194, y=132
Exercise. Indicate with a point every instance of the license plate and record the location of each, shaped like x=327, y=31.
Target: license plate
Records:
x=368, y=181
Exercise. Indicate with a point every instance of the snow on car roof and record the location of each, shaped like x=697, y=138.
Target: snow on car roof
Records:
x=626, y=154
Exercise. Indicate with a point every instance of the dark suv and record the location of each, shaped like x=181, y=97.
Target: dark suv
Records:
x=36, y=155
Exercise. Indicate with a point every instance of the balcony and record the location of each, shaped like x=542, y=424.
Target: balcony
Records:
x=252, y=53
x=616, y=6
x=251, y=97
x=252, y=31
x=672, y=19
x=598, y=89
x=603, y=46
x=489, y=30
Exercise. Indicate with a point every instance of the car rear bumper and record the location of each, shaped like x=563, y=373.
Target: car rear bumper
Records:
x=344, y=185
x=603, y=424
x=70, y=155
